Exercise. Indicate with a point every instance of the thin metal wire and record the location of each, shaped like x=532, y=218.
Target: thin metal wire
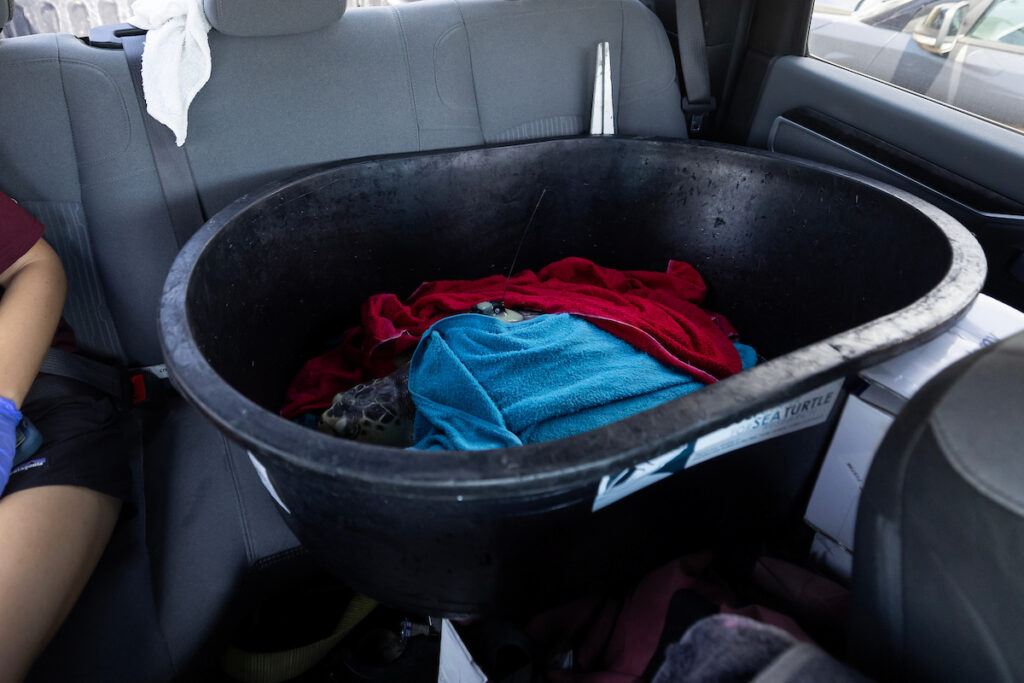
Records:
x=522, y=239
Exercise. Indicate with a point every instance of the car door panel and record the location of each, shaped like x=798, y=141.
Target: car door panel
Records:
x=967, y=166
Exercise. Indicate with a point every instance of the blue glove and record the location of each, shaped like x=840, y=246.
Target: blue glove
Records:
x=10, y=416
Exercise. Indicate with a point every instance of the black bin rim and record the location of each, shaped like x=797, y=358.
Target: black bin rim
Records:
x=547, y=467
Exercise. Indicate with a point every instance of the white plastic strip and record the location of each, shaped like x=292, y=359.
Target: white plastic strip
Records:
x=808, y=410
x=602, y=113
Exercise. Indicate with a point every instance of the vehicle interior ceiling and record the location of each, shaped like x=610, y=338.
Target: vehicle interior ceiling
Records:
x=206, y=562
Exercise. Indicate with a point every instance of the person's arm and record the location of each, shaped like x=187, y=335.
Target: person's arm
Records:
x=30, y=309
x=51, y=537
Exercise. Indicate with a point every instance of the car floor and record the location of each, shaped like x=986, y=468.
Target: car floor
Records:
x=385, y=646
x=392, y=647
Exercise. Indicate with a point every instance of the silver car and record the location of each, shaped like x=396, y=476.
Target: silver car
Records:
x=967, y=54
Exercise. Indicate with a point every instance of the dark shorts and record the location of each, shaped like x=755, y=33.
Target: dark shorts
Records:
x=84, y=440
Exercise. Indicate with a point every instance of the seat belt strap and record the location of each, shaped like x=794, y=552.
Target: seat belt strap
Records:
x=698, y=105
x=106, y=378
x=128, y=388
x=172, y=166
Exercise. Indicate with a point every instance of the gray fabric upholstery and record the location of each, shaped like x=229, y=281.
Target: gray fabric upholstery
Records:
x=940, y=530
x=276, y=105
x=86, y=308
x=38, y=163
x=130, y=230
x=649, y=99
x=101, y=641
x=6, y=12
x=39, y=168
x=440, y=72
x=91, y=174
x=89, y=178
x=533, y=67
x=183, y=565
x=211, y=526
x=272, y=17
x=422, y=76
x=533, y=64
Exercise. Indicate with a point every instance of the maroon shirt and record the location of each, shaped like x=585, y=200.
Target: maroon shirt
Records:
x=19, y=231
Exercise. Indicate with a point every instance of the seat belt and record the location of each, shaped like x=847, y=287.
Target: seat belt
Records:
x=176, y=179
x=274, y=667
x=128, y=388
x=698, y=105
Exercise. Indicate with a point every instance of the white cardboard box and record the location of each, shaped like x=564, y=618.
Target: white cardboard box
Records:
x=832, y=510
x=457, y=664
x=986, y=322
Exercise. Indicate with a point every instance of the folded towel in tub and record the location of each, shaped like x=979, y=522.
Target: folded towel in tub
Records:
x=481, y=383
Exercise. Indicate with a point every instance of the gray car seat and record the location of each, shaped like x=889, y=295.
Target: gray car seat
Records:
x=179, y=564
x=294, y=84
x=940, y=531
x=419, y=76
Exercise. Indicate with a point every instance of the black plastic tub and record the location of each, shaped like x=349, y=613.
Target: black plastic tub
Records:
x=822, y=272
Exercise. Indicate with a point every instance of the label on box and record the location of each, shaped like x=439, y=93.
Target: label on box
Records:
x=808, y=410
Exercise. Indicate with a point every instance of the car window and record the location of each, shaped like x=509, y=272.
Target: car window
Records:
x=78, y=16
x=1003, y=22
x=870, y=9
x=968, y=54
x=67, y=16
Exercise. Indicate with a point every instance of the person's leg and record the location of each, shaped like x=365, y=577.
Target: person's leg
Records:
x=51, y=538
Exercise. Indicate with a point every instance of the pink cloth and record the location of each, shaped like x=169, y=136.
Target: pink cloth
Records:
x=614, y=640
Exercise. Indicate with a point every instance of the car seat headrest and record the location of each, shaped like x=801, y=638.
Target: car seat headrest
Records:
x=270, y=17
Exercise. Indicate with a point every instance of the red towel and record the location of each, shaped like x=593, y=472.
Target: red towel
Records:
x=658, y=313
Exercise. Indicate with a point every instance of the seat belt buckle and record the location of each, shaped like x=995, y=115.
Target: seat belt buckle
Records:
x=111, y=36
x=147, y=384
x=698, y=114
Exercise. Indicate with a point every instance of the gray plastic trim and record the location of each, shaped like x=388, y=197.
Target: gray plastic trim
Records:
x=987, y=153
x=791, y=138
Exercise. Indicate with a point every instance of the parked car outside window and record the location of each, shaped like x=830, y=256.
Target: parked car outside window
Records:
x=967, y=54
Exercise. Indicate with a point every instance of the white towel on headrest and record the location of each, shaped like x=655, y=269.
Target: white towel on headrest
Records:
x=176, y=61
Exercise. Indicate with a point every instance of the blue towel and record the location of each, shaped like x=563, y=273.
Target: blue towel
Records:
x=481, y=383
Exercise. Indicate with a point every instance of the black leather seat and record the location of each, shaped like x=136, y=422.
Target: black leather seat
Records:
x=938, y=581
